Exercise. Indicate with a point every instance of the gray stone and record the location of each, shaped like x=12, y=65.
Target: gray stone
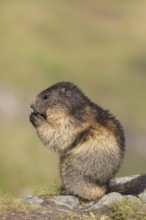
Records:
x=70, y=202
x=132, y=198
x=108, y=200
x=86, y=205
x=142, y=196
x=33, y=200
x=113, y=197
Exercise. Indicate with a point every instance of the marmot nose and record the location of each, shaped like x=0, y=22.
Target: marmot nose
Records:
x=32, y=105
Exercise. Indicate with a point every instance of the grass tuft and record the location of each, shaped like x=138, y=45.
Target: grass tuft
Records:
x=49, y=191
x=9, y=203
x=128, y=210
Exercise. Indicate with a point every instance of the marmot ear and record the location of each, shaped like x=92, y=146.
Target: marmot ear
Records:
x=64, y=90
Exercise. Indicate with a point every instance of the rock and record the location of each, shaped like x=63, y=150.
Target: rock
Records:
x=67, y=203
x=70, y=202
x=132, y=198
x=107, y=200
x=142, y=195
x=111, y=198
x=33, y=200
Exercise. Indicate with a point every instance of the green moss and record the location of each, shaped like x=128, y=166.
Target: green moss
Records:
x=128, y=210
x=9, y=203
x=48, y=191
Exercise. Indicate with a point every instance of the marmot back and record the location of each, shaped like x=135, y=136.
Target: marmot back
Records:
x=90, y=141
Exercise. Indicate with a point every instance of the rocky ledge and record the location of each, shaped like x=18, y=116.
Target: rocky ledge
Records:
x=71, y=207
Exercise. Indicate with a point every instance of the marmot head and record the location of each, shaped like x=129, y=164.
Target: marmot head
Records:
x=63, y=96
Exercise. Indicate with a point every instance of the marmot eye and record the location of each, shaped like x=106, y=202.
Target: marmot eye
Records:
x=45, y=97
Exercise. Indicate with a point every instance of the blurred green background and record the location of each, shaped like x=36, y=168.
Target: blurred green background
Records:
x=98, y=45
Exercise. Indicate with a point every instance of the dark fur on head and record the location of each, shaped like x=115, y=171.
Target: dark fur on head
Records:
x=63, y=95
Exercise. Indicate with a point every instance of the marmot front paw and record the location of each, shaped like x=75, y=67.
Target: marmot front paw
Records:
x=36, y=119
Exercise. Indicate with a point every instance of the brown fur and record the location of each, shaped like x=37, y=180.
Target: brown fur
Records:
x=89, y=140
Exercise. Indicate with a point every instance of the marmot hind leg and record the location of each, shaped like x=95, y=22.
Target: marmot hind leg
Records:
x=79, y=186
